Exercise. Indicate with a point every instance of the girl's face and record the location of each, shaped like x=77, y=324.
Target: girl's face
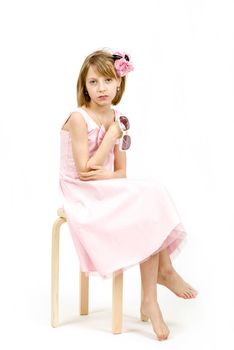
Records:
x=101, y=89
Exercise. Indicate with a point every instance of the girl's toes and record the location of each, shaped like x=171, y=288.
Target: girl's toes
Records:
x=193, y=292
x=187, y=295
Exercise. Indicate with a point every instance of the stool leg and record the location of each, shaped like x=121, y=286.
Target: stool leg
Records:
x=117, y=303
x=55, y=271
x=143, y=317
x=84, y=294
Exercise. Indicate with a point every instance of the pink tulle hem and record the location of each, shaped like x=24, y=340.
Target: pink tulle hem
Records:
x=174, y=243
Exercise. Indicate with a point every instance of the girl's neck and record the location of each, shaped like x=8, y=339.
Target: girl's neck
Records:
x=101, y=114
x=100, y=110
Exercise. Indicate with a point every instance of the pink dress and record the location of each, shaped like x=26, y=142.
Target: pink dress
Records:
x=115, y=223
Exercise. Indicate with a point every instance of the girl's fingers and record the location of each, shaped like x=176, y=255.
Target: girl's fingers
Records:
x=88, y=176
x=84, y=177
x=91, y=171
x=87, y=173
x=96, y=167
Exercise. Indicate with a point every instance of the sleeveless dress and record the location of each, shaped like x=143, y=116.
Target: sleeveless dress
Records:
x=115, y=223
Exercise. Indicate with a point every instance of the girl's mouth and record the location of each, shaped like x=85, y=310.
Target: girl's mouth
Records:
x=104, y=97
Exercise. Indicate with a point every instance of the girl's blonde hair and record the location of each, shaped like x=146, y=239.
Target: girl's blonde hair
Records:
x=104, y=63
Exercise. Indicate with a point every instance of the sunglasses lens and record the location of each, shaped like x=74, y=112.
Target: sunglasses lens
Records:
x=126, y=142
x=125, y=122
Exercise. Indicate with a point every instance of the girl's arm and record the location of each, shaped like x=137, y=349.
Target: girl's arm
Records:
x=79, y=138
x=99, y=172
x=120, y=162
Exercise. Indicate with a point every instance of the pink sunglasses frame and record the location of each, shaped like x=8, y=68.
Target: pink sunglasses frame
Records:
x=125, y=132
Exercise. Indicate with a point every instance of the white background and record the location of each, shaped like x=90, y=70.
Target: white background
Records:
x=179, y=100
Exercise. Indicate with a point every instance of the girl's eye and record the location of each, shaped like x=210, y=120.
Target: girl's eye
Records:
x=108, y=80
x=92, y=81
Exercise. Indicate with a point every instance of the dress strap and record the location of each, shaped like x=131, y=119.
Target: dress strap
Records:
x=86, y=116
x=117, y=113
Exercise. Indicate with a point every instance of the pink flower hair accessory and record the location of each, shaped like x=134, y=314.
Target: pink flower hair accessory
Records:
x=123, y=64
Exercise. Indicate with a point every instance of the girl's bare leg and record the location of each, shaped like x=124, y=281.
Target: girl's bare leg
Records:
x=149, y=305
x=168, y=277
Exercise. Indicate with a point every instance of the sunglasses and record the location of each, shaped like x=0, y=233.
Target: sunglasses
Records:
x=125, y=140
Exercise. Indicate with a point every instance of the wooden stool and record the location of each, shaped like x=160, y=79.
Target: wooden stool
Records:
x=117, y=285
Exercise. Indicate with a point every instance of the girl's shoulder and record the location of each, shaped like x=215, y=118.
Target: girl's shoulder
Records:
x=82, y=113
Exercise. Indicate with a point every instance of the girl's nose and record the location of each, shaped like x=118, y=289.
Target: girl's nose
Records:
x=101, y=86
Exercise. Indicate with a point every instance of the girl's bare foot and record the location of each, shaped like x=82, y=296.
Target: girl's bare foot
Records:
x=172, y=280
x=152, y=310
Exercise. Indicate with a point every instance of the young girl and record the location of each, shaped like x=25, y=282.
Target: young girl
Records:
x=116, y=222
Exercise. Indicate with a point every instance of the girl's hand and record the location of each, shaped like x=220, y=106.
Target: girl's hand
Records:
x=99, y=173
x=115, y=130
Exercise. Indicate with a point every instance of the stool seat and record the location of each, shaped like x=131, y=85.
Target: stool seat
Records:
x=61, y=213
x=117, y=284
